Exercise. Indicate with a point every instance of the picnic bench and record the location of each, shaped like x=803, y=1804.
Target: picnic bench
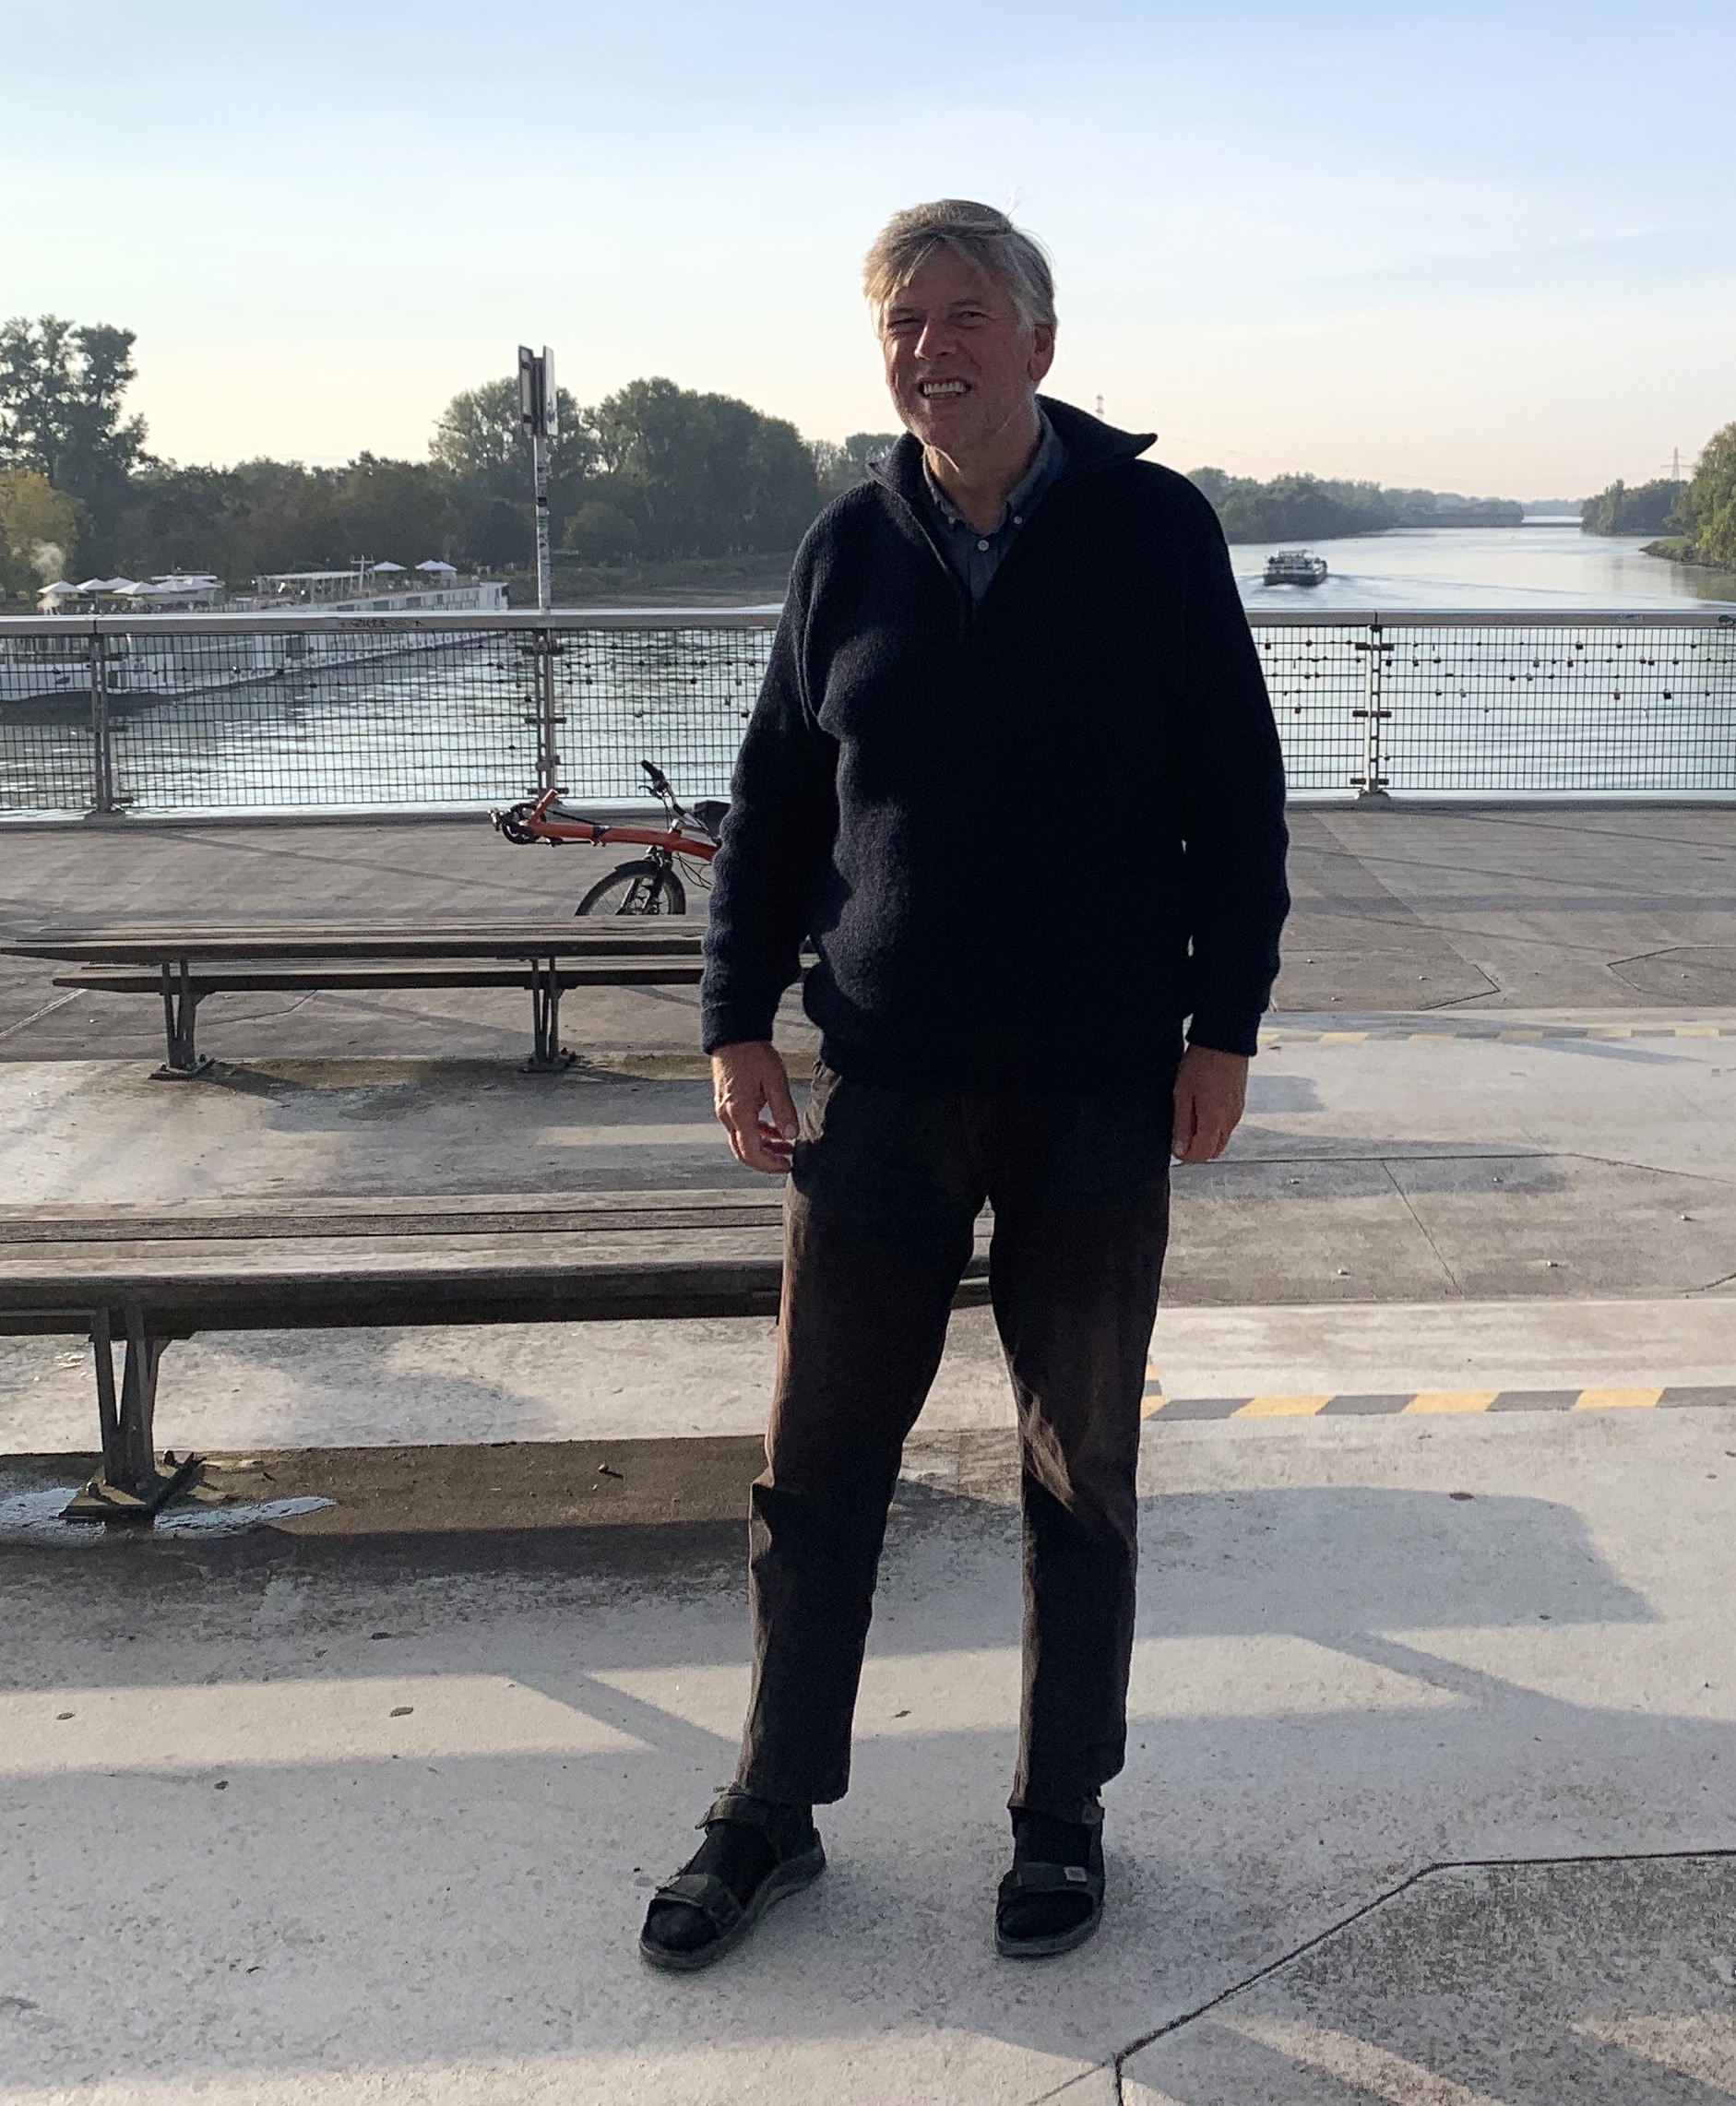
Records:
x=139, y=1279
x=182, y=965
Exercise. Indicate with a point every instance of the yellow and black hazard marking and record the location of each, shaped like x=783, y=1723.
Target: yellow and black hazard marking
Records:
x=1488, y=1030
x=1429, y=1403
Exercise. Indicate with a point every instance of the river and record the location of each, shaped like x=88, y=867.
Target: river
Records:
x=1534, y=565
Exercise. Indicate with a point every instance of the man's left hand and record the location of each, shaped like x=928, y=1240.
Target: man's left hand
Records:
x=1211, y=1088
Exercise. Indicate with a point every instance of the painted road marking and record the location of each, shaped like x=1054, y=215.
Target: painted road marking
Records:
x=1491, y=1034
x=1617, y=1399
x=1423, y=1403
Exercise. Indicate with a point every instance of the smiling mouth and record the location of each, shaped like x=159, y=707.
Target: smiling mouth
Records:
x=932, y=390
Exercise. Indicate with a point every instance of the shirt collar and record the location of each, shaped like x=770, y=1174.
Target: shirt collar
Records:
x=1045, y=465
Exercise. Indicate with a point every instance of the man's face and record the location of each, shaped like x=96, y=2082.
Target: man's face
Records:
x=960, y=364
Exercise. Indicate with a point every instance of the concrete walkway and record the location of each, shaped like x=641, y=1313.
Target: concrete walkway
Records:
x=351, y=1788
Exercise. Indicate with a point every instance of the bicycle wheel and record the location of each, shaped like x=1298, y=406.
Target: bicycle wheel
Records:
x=636, y=889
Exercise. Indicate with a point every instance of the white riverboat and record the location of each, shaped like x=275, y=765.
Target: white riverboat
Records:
x=163, y=662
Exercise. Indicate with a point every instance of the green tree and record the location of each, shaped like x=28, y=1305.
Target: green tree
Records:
x=694, y=475
x=1706, y=511
x=1644, y=509
x=39, y=532
x=61, y=385
x=1292, y=508
x=397, y=509
x=480, y=443
x=839, y=468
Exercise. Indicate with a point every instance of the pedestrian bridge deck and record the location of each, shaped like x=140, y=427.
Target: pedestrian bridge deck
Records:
x=503, y=1677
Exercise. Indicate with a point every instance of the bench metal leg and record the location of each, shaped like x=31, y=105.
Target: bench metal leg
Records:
x=129, y=1486
x=180, y=1013
x=548, y=1056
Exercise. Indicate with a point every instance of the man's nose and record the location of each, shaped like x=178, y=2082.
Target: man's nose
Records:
x=936, y=340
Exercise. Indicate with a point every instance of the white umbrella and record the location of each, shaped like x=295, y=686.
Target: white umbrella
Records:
x=444, y=569
x=379, y=566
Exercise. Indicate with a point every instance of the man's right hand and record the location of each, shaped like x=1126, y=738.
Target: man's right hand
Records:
x=750, y=1087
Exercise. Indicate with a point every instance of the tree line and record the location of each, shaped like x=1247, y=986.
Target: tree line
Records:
x=1309, y=509
x=651, y=473
x=1694, y=519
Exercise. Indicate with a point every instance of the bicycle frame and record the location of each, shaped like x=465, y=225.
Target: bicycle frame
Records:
x=535, y=823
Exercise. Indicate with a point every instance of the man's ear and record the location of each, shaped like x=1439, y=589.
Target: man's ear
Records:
x=1042, y=351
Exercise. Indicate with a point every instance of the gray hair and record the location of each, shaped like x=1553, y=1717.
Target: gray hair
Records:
x=1014, y=259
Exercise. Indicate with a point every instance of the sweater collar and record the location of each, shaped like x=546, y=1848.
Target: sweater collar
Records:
x=1088, y=441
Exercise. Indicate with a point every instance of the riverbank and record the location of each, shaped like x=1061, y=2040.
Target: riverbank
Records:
x=1676, y=549
x=693, y=581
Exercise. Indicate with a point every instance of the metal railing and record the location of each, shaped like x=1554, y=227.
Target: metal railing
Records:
x=261, y=713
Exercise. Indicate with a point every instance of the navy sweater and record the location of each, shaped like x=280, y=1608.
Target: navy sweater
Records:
x=1027, y=840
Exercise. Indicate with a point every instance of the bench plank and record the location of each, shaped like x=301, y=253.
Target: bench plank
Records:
x=149, y=1276
x=274, y=979
x=146, y=945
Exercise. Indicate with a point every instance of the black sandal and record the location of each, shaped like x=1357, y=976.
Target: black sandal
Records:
x=707, y=1895
x=1034, y=1876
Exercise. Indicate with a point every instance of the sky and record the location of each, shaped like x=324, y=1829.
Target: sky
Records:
x=1487, y=248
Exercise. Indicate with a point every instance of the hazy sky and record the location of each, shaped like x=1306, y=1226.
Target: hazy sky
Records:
x=1479, y=248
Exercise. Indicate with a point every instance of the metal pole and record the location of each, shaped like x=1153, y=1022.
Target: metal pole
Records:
x=540, y=471
x=103, y=740
x=548, y=742
x=1373, y=714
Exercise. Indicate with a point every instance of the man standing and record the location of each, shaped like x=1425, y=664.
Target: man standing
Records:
x=1014, y=626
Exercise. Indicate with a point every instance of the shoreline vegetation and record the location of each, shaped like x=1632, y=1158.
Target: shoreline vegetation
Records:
x=1311, y=508
x=1694, y=520
x=657, y=490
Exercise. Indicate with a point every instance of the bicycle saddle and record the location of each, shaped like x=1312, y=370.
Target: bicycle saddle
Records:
x=710, y=813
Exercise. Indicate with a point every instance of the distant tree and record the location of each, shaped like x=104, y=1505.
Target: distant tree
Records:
x=687, y=474
x=1644, y=509
x=1292, y=508
x=397, y=509
x=39, y=532
x=61, y=385
x=480, y=443
x=838, y=468
x=1706, y=512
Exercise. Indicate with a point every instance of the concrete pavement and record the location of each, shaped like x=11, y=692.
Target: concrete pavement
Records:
x=1433, y=1750
x=327, y=1813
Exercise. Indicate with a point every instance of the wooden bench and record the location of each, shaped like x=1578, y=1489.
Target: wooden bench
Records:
x=182, y=965
x=140, y=1279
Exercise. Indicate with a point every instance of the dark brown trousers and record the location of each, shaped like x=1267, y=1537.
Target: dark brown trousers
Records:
x=878, y=1226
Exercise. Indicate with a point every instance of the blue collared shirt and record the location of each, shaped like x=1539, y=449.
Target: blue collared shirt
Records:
x=976, y=556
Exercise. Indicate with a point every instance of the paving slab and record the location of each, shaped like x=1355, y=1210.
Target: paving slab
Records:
x=1421, y=907
x=1607, y=1980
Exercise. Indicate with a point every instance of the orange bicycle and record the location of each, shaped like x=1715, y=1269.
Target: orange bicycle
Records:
x=650, y=884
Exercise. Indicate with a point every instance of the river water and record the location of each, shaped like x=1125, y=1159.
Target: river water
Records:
x=1551, y=707
x=1548, y=567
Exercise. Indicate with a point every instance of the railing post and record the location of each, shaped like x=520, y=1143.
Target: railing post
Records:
x=102, y=733
x=548, y=721
x=1374, y=713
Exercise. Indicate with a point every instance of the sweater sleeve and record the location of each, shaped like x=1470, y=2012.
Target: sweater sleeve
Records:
x=1232, y=810
x=782, y=824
